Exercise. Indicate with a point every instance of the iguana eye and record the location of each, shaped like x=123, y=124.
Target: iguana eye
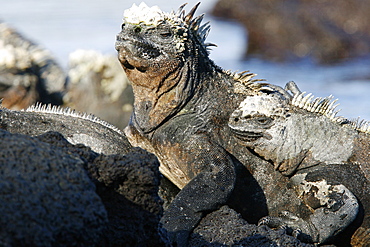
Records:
x=263, y=121
x=166, y=34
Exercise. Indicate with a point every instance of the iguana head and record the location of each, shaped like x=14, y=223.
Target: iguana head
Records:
x=160, y=53
x=293, y=132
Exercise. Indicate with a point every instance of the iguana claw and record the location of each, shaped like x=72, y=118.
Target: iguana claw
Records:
x=293, y=225
x=338, y=211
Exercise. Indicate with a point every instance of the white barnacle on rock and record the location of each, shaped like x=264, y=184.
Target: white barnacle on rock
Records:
x=14, y=57
x=82, y=63
x=17, y=52
x=7, y=59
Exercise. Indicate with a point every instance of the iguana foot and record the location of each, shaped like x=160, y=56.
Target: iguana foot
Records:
x=294, y=225
x=327, y=220
x=179, y=221
x=204, y=193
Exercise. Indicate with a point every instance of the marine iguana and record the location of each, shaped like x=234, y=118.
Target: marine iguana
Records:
x=182, y=105
x=76, y=127
x=325, y=156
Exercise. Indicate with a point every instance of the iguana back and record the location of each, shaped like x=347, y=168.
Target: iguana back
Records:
x=76, y=127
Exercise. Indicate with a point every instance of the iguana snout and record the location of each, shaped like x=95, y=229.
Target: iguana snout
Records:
x=147, y=50
x=134, y=50
x=249, y=128
x=138, y=39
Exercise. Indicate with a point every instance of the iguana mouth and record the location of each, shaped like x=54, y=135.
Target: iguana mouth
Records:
x=137, y=47
x=134, y=53
x=247, y=136
x=147, y=50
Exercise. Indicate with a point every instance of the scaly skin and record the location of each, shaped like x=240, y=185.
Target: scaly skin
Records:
x=182, y=105
x=172, y=118
x=326, y=158
x=76, y=127
x=183, y=102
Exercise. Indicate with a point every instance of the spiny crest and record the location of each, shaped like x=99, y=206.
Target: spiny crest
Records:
x=179, y=20
x=360, y=125
x=246, y=77
x=324, y=106
x=245, y=82
x=52, y=109
x=327, y=107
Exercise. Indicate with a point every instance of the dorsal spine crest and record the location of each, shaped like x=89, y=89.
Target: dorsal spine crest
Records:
x=53, y=109
x=245, y=77
x=327, y=107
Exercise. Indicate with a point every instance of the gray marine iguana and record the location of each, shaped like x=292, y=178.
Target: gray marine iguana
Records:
x=182, y=105
x=325, y=156
x=76, y=127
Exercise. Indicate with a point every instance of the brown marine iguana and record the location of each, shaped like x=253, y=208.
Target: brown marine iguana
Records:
x=325, y=156
x=182, y=105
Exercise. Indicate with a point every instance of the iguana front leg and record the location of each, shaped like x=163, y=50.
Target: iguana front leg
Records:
x=334, y=207
x=208, y=190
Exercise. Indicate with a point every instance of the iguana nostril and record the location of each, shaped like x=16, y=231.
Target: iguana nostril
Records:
x=236, y=114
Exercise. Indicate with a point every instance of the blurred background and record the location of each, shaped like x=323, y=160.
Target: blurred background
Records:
x=322, y=45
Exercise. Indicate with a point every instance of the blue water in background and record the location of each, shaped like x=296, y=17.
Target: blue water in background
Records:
x=68, y=25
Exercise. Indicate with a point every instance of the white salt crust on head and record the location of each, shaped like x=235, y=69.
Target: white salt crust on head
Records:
x=154, y=16
x=263, y=105
x=148, y=15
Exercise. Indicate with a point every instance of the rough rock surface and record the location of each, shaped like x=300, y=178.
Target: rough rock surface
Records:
x=46, y=196
x=98, y=85
x=225, y=227
x=327, y=30
x=28, y=72
x=91, y=199
x=56, y=193
x=126, y=185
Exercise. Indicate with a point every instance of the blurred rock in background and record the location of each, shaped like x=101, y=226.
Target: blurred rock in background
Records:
x=94, y=83
x=97, y=84
x=329, y=31
x=28, y=72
